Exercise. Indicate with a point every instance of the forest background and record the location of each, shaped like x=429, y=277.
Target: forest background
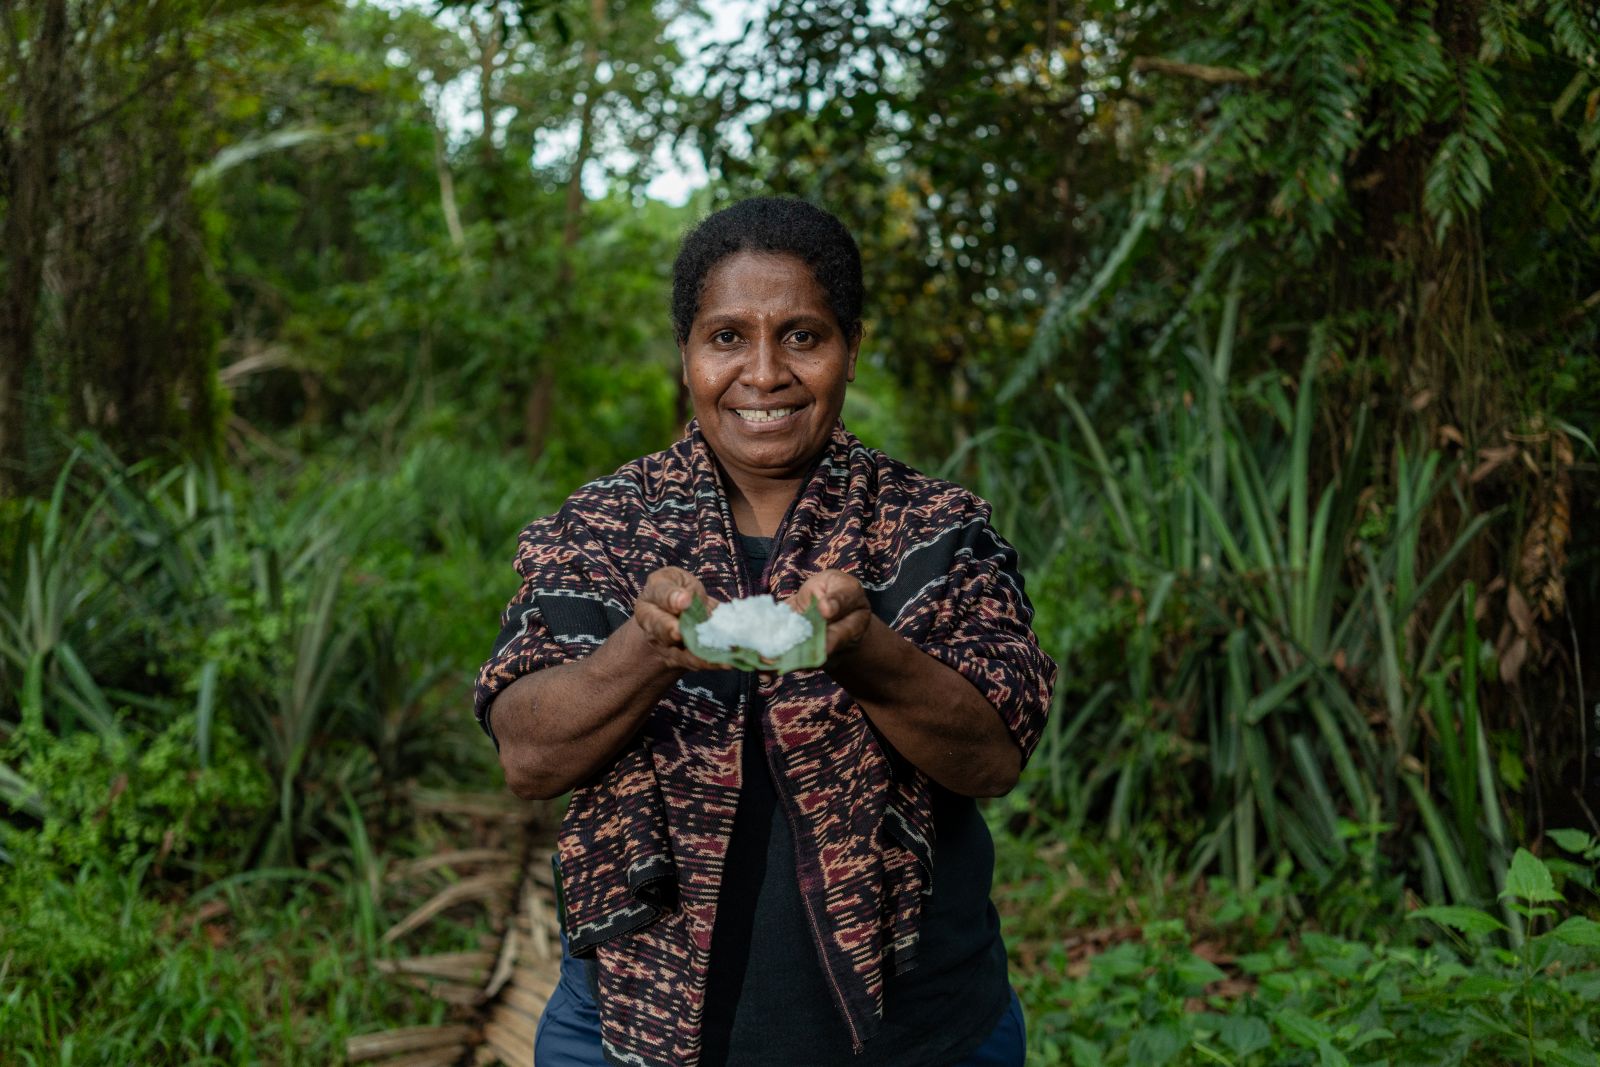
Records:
x=1269, y=328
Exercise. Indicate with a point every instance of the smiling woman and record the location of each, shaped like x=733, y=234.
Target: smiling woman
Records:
x=766, y=305
x=766, y=363
x=761, y=867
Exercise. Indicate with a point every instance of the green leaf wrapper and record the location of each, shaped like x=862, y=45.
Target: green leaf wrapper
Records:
x=811, y=652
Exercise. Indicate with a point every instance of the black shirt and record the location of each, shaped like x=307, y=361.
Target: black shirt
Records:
x=767, y=998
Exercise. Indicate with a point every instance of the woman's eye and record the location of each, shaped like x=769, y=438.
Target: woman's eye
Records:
x=724, y=337
x=802, y=337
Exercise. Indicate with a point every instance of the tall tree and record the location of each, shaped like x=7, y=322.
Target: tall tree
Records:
x=412, y=268
x=108, y=317
x=36, y=76
x=598, y=76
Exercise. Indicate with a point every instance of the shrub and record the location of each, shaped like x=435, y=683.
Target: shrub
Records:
x=1165, y=996
x=145, y=796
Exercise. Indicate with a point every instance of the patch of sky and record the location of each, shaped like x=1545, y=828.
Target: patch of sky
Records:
x=701, y=32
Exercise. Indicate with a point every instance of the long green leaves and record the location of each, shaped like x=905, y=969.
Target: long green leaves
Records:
x=53, y=602
x=130, y=599
x=1280, y=638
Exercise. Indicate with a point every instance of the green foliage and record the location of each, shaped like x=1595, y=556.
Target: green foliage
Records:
x=45, y=591
x=1269, y=637
x=133, y=799
x=1219, y=979
x=991, y=154
x=1330, y=1001
x=407, y=277
x=210, y=679
x=178, y=616
x=98, y=970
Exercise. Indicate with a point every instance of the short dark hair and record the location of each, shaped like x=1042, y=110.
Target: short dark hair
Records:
x=779, y=225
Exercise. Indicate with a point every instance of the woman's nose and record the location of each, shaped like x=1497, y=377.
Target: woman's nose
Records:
x=767, y=368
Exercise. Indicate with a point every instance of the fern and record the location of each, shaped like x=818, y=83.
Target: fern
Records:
x=1412, y=66
x=1460, y=176
x=1577, y=35
x=1328, y=70
x=1500, y=26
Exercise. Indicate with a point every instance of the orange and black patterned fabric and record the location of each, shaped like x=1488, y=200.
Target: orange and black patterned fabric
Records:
x=641, y=849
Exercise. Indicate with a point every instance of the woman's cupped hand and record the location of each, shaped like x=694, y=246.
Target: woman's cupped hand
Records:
x=667, y=593
x=844, y=607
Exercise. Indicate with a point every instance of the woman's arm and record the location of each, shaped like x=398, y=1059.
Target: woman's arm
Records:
x=932, y=715
x=560, y=726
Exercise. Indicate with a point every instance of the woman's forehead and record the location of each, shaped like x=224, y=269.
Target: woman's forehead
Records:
x=761, y=280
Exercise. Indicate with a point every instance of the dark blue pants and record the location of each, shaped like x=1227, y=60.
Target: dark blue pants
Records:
x=569, y=1028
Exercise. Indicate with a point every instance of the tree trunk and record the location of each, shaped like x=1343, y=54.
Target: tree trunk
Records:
x=29, y=167
x=541, y=396
x=447, y=192
x=489, y=43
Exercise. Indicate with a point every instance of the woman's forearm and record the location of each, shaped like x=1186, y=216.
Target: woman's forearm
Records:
x=560, y=726
x=932, y=715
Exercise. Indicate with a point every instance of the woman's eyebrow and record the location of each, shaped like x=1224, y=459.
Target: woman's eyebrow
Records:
x=718, y=319
x=811, y=320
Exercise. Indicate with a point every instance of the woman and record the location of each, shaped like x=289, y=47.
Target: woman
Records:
x=758, y=869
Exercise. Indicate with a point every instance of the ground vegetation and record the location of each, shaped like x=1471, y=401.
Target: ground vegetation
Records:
x=1270, y=330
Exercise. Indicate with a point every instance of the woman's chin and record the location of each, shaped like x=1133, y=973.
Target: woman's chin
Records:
x=769, y=448
x=767, y=457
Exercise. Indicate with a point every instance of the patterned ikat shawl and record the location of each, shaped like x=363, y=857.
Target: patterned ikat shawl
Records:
x=641, y=850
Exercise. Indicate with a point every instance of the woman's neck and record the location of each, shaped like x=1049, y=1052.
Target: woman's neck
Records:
x=758, y=508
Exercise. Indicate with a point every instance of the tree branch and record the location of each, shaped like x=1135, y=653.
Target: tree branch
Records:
x=1197, y=71
x=159, y=75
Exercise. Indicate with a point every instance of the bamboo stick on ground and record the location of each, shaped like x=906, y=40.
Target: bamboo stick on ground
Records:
x=461, y=966
x=410, y=1039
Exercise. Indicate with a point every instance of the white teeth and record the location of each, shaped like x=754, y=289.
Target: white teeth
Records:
x=753, y=415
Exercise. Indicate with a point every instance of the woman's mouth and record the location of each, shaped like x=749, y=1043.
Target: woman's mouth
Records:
x=759, y=416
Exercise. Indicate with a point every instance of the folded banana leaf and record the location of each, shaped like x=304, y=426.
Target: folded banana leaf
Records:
x=811, y=652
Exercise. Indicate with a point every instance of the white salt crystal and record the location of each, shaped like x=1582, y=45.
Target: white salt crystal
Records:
x=759, y=623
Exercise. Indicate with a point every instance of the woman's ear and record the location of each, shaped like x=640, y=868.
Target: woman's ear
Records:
x=855, y=350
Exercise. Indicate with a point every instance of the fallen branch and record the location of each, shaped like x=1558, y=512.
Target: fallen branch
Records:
x=481, y=887
x=461, y=857
x=462, y=966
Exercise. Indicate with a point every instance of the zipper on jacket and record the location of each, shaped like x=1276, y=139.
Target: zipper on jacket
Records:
x=787, y=802
x=790, y=815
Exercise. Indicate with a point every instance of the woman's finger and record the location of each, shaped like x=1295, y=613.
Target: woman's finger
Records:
x=659, y=625
x=672, y=589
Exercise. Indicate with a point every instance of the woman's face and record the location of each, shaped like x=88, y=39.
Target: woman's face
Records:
x=766, y=363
